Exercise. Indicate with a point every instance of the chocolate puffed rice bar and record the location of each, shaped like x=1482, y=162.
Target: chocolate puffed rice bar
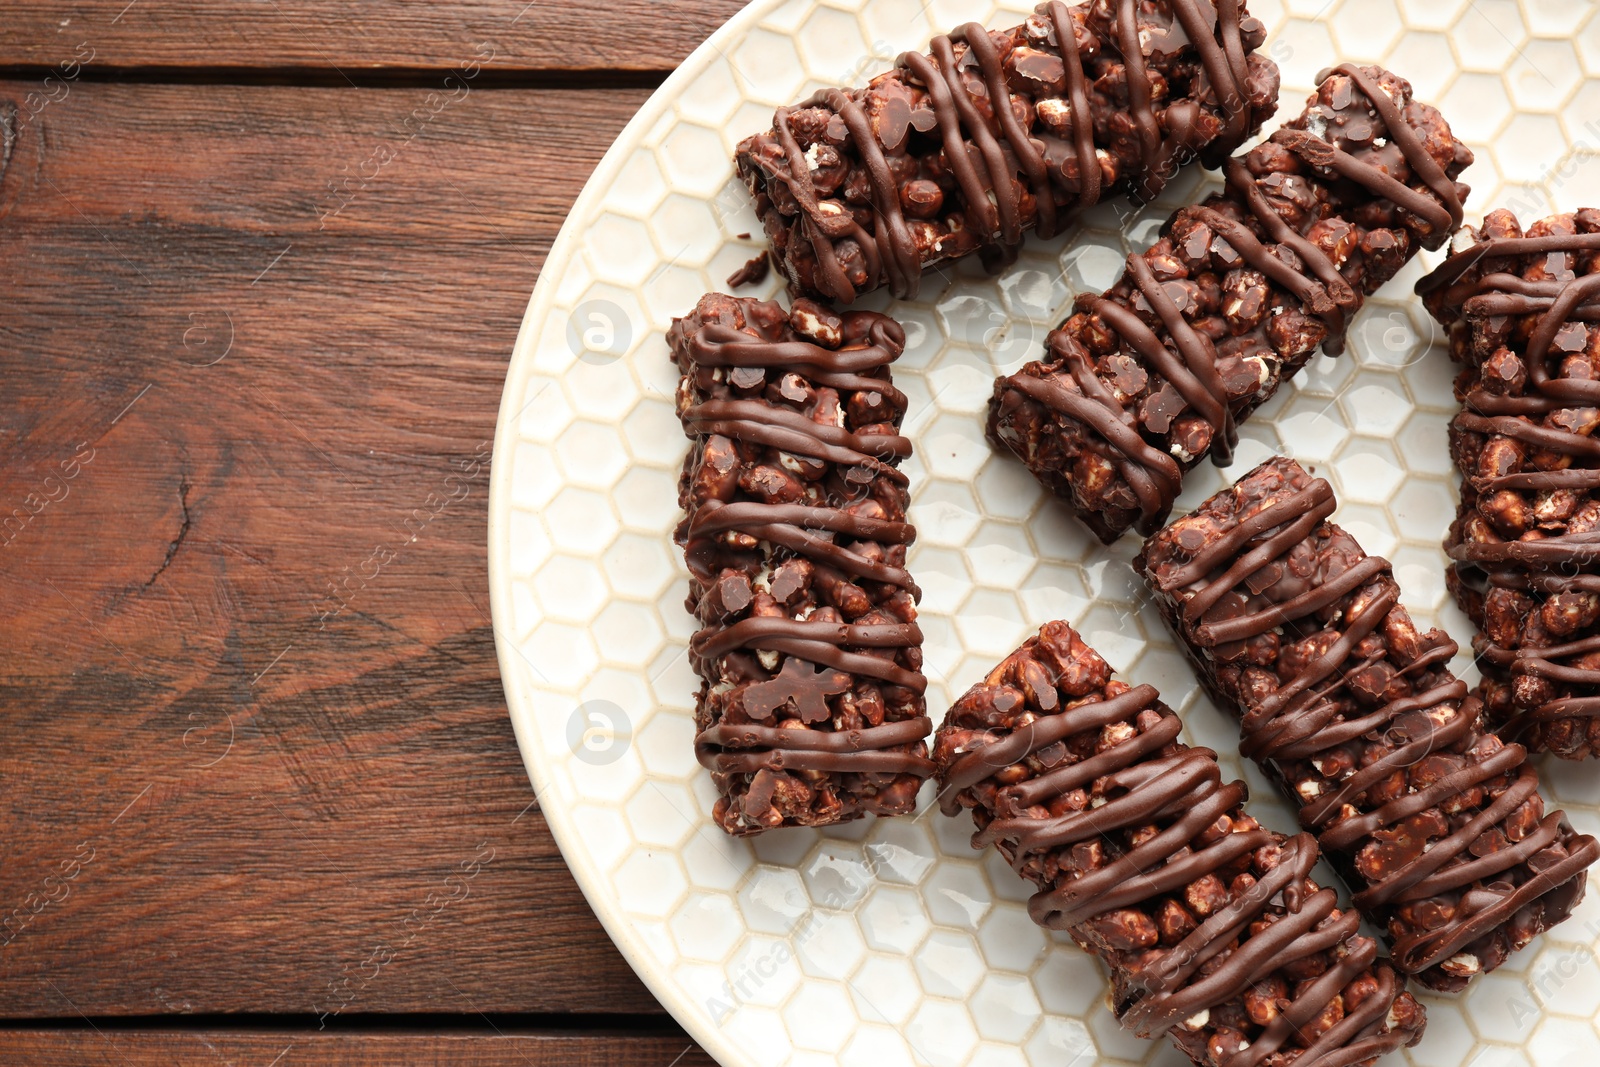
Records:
x=1522, y=311
x=811, y=708
x=1210, y=924
x=1437, y=825
x=862, y=188
x=1149, y=378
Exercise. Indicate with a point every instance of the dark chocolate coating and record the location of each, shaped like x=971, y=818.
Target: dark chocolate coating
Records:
x=811, y=709
x=1149, y=378
x=1436, y=823
x=1100, y=98
x=1210, y=924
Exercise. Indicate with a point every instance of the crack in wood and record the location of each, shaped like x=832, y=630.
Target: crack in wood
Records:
x=183, y=533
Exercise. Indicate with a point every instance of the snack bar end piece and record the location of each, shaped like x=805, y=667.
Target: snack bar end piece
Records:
x=1154, y=375
x=811, y=708
x=996, y=132
x=1210, y=924
x=1523, y=315
x=1436, y=823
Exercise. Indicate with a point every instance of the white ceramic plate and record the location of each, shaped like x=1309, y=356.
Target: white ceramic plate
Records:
x=892, y=942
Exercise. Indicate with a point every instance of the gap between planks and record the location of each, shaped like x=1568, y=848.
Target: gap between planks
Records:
x=349, y=77
x=506, y=1023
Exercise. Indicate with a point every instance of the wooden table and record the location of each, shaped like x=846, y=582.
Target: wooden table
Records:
x=263, y=266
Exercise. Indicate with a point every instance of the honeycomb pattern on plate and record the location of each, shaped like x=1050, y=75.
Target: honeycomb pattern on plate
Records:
x=886, y=943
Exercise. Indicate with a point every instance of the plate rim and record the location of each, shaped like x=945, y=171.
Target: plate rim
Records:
x=518, y=684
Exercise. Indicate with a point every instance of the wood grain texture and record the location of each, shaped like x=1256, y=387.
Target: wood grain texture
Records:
x=333, y=35
x=256, y=753
x=218, y=1048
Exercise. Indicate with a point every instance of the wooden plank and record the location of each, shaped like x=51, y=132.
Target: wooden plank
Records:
x=433, y=35
x=211, y=1048
x=256, y=754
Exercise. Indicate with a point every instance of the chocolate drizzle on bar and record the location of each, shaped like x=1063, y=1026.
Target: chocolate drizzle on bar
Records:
x=1149, y=860
x=1295, y=226
x=1057, y=147
x=1527, y=325
x=795, y=537
x=1439, y=825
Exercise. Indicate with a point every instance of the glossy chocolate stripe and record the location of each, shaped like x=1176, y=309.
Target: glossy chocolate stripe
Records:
x=754, y=735
x=716, y=345
x=1480, y=401
x=903, y=265
x=1457, y=265
x=806, y=646
x=741, y=513
x=1571, y=478
x=716, y=640
x=871, y=761
x=1078, y=102
x=1565, y=550
x=1551, y=437
x=1150, y=182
